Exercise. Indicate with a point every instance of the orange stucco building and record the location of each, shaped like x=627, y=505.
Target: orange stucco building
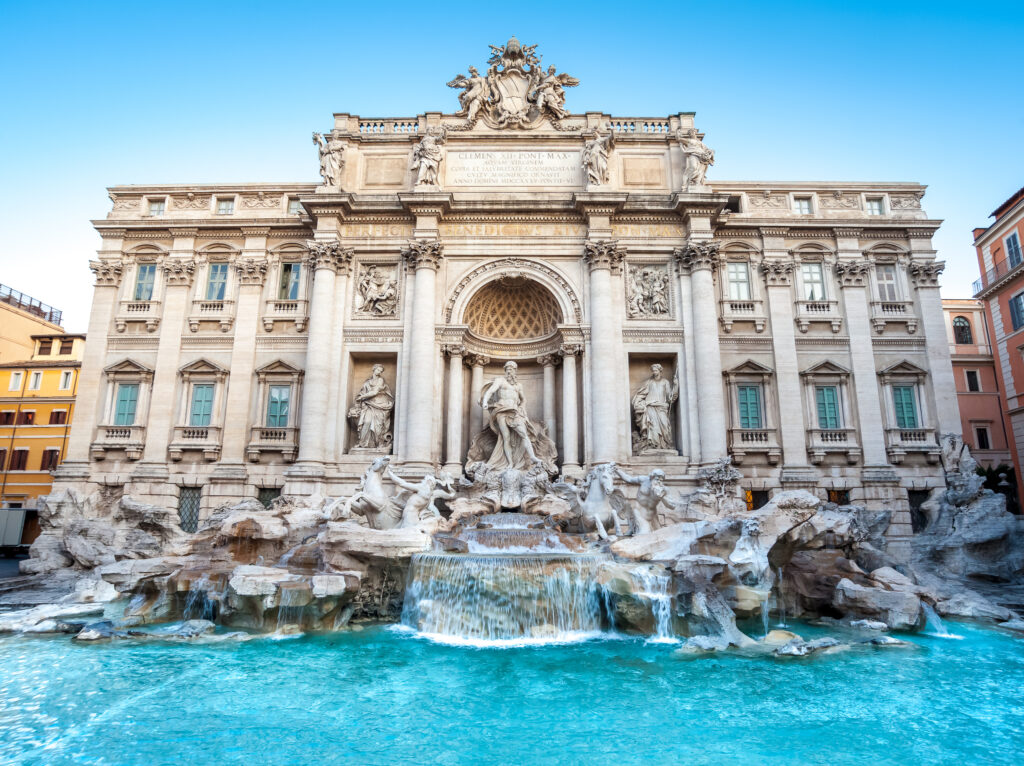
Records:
x=1001, y=291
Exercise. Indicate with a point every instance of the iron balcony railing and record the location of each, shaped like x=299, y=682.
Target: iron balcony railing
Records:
x=29, y=304
x=997, y=272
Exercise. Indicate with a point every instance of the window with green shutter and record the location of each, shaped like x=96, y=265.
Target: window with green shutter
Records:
x=202, y=404
x=827, y=398
x=127, y=400
x=749, y=398
x=277, y=406
x=906, y=408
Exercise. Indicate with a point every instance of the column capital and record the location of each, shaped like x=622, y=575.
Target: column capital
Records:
x=453, y=349
x=475, y=360
x=251, y=271
x=329, y=254
x=179, y=271
x=778, y=273
x=570, y=349
x=548, y=360
x=604, y=254
x=696, y=255
x=108, y=273
x=424, y=254
x=853, y=273
x=926, y=274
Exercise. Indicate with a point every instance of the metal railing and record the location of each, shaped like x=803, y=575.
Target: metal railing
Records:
x=994, y=274
x=29, y=304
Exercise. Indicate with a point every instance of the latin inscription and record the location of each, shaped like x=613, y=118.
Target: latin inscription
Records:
x=513, y=169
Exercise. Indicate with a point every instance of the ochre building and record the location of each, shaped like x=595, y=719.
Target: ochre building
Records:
x=250, y=339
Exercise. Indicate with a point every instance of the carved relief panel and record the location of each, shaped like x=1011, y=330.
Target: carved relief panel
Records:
x=376, y=290
x=648, y=291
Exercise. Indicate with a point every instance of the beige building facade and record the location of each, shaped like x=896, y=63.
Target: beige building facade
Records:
x=238, y=331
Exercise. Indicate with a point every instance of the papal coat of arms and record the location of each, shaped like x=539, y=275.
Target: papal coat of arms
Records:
x=515, y=92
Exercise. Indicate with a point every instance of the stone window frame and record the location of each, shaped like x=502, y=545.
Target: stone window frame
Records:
x=70, y=378
x=126, y=371
x=216, y=199
x=201, y=372
x=882, y=197
x=815, y=252
x=751, y=372
x=906, y=373
x=15, y=380
x=212, y=309
x=641, y=261
x=287, y=252
x=801, y=195
x=277, y=373
x=889, y=255
x=828, y=373
x=970, y=329
x=400, y=277
x=148, y=253
x=163, y=200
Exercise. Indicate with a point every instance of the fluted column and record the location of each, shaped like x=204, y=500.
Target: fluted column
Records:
x=425, y=259
x=476, y=387
x=701, y=258
x=548, y=363
x=570, y=409
x=453, y=441
x=326, y=259
x=603, y=257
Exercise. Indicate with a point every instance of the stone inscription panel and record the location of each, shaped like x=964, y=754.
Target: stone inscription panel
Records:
x=506, y=168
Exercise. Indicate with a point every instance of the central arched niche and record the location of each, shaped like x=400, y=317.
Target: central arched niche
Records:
x=513, y=309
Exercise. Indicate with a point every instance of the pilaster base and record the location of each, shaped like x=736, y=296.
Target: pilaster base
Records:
x=798, y=477
x=304, y=479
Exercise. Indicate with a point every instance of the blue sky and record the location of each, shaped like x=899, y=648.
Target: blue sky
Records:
x=110, y=93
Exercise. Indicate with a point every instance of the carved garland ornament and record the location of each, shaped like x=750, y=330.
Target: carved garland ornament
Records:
x=251, y=271
x=514, y=267
x=108, y=273
x=926, y=274
x=778, y=273
x=853, y=273
x=179, y=271
x=424, y=254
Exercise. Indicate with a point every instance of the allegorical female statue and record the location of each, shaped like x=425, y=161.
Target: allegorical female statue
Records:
x=332, y=158
x=595, y=158
x=371, y=412
x=651, y=405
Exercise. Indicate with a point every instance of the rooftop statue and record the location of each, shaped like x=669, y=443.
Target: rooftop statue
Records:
x=516, y=92
x=332, y=158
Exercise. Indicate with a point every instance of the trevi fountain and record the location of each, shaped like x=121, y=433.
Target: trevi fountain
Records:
x=523, y=600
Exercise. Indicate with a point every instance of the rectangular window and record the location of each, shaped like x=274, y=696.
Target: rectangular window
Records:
x=267, y=495
x=188, y=508
x=217, y=282
x=905, y=406
x=26, y=418
x=749, y=400
x=973, y=383
x=50, y=459
x=813, y=277
x=58, y=417
x=1017, y=311
x=3, y=459
x=739, y=281
x=202, y=404
x=67, y=346
x=19, y=460
x=144, y=281
x=981, y=440
x=885, y=275
x=277, y=406
x=294, y=207
x=827, y=400
x=157, y=206
x=225, y=206
x=65, y=380
x=15, y=384
x=289, y=290
x=839, y=496
x=874, y=206
x=7, y=418
x=127, y=401
x=46, y=347
x=1013, y=249
x=802, y=205
x=35, y=380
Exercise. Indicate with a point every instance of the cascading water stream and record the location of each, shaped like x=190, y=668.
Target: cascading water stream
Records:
x=654, y=589
x=933, y=624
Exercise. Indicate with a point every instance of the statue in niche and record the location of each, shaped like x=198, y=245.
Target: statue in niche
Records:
x=595, y=158
x=419, y=506
x=426, y=157
x=647, y=292
x=651, y=405
x=371, y=412
x=378, y=291
x=698, y=158
x=332, y=158
x=511, y=440
x=652, y=492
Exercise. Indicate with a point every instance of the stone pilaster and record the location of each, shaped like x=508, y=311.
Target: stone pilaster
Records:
x=476, y=388
x=924, y=275
x=700, y=258
x=688, y=409
x=570, y=410
x=603, y=257
x=424, y=257
x=453, y=440
x=547, y=364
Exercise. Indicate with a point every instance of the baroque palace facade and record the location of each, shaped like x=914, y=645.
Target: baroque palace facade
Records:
x=248, y=339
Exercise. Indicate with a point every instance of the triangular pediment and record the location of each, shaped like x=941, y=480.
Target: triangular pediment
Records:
x=277, y=366
x=202, y=365
x=128, y=365
x=827, y=367
x=752, y=368
x=903, y=368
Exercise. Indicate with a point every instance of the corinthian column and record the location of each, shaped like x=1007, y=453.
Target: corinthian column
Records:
x=326, y=259
x=476, y=387
x=425, y=258
x=548, y=362
x=701, y=259
x=570, y=408
x=603, y=257
x=453, y=441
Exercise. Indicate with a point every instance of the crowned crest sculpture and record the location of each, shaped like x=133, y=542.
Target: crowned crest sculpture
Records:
x=516, y=92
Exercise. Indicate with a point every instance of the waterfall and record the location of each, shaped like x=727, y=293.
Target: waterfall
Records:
x=502, y=599
x=291, y=603
x=780, y=598
x=198, y=604
x=933, y=624
x=653, y=588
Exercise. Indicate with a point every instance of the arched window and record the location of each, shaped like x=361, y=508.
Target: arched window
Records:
x=962, y=331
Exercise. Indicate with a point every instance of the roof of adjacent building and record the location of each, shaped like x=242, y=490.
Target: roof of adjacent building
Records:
x=1013, y=200
x=30, y=365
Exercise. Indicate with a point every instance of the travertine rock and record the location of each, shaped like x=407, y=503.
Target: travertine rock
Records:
x=901, y=610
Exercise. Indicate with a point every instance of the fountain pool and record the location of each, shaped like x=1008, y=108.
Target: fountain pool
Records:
x=381, y=695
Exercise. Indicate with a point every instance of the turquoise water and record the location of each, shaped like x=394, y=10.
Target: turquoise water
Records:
x=384, y=697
